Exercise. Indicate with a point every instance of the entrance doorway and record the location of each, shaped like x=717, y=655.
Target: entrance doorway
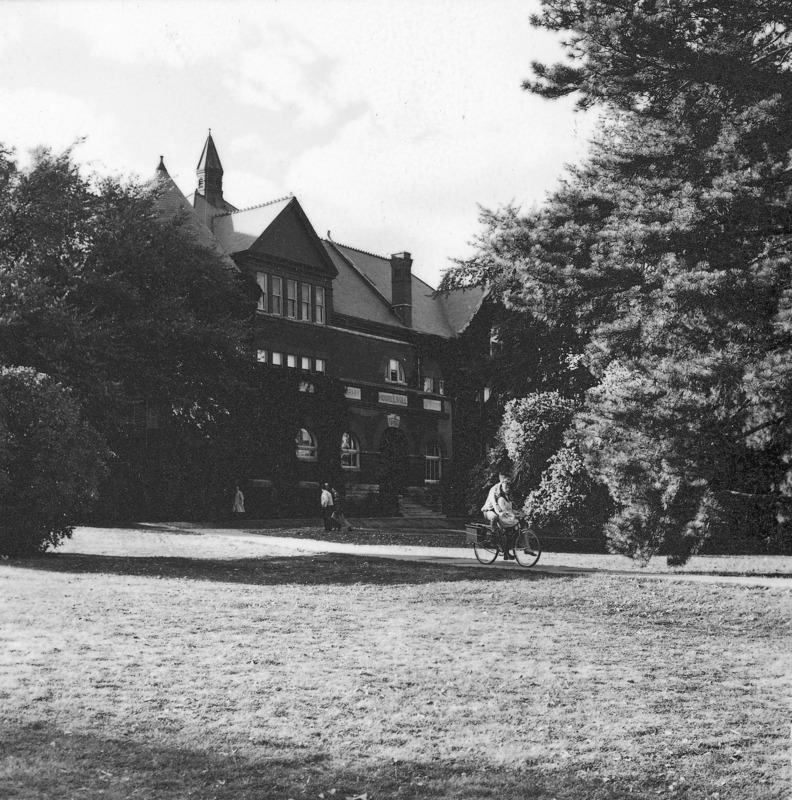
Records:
x=393, y=468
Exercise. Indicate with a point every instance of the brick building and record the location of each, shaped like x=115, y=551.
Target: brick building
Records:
x=362, y=319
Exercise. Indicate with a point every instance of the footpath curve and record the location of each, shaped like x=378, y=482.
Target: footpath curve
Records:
x=463, y=557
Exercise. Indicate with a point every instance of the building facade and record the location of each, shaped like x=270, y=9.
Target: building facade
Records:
x=362, y=319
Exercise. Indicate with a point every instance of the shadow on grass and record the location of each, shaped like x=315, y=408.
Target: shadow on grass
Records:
x=314, y=570
x=44, y=762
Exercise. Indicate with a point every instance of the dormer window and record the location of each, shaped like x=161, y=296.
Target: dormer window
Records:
x=395, y=372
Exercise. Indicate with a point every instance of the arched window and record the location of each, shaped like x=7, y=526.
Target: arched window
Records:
x=350, y=451
x=306, y=445
x=394, y=372
x=434, y=462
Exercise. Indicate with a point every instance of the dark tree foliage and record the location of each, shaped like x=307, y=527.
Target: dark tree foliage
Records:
x=116, y=303
x=669, y=252
x=51, y=462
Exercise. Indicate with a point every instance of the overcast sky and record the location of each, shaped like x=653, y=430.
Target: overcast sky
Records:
x=390, y=121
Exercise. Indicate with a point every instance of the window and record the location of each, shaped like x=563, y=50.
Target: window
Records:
x=434, y=461
x=319, y=305
x=307, y=386
x=320, y=365
x=350, y=452
x=291, y=299
x=440, y=387
x=429, y=384
x=291, y=361
x=305, y=363
x=395, y=372
x=261, y=357
x=486, y=393
x=263, y=303
x=305, y=301
x=277, y=359
x=306, y=445
x=277, y=294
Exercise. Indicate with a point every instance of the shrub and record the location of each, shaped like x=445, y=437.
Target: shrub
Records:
x=51, y=462
x=532, y=431
x=568, y=502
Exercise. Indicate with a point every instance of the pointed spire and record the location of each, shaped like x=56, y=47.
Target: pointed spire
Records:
x=162, y=172
x=209, y=160
x=210, y=174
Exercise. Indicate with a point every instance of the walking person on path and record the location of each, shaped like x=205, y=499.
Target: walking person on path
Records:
x=239, y=503
x=328, y=508
x=338, y=514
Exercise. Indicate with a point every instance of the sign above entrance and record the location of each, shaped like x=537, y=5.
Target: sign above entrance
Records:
x=394, y=420
x=433, y=405
x=352, y=392
x=393, y=399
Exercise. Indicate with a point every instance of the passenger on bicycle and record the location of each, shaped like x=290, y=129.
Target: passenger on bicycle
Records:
x=500, y=503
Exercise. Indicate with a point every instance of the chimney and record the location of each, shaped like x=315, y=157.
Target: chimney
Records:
x=401, y=287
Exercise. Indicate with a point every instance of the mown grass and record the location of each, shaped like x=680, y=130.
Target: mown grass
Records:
x=175, y=666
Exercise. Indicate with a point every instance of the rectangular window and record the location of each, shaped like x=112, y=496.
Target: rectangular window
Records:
x=305, y=301
x=319, y=305
x=263, y=303
x=291, y=299
x=277, y=359
x=441, y=387
x=429, y=384
x=277, y=294
x=305, y=363
x=291, y=361
x=262, y=357
x=320, y=365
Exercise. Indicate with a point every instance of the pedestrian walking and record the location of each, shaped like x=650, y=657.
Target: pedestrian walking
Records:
x=338, y=513
x=239, y=503
x=328, y=508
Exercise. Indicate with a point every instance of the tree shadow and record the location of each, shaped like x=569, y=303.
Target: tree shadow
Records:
x=329, y=569
x=45, y=762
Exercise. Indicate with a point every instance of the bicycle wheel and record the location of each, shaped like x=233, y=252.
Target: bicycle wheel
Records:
x=487, y=551
x=527, y=548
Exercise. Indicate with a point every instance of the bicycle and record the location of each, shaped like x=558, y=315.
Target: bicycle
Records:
x=521, y=540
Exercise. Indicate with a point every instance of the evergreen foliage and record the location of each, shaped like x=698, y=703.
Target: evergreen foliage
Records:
x=669, y=252
x=51, y=462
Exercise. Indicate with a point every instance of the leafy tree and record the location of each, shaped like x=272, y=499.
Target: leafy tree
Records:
x=669, y=250
x=51, y=462
x=120, y=304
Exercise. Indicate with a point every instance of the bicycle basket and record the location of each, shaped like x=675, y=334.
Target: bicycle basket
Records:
x=476, y=533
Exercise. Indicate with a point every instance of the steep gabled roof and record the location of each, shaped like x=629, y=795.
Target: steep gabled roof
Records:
x=461, y=305
x=428, y=315
x=355, y=294
x=239, y=230
x=171, y=202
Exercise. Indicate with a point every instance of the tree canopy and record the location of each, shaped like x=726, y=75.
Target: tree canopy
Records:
x=668, y=250
x=118, y=303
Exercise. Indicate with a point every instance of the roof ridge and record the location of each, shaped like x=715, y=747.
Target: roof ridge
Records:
x=260, y=205
x=358, y=250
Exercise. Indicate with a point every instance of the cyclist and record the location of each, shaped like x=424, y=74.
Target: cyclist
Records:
x=500, y=502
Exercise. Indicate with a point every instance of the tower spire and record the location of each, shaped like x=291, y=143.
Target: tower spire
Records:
x=210, y=173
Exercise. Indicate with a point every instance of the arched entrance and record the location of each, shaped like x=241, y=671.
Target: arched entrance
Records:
x=393, y=467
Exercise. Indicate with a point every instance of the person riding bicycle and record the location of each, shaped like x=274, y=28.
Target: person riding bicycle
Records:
x=500, y=505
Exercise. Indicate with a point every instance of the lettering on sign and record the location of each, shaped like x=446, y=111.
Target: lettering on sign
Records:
x=393, y=399
x=352, y=392
x=433, y=405
x=394, y=420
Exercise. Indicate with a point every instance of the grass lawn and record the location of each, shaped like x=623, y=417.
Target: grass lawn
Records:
x=174, y=665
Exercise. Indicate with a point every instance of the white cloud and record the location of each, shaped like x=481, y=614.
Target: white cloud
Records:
x=58, y=121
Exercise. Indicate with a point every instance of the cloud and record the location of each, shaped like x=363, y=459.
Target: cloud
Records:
x=58, y=121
